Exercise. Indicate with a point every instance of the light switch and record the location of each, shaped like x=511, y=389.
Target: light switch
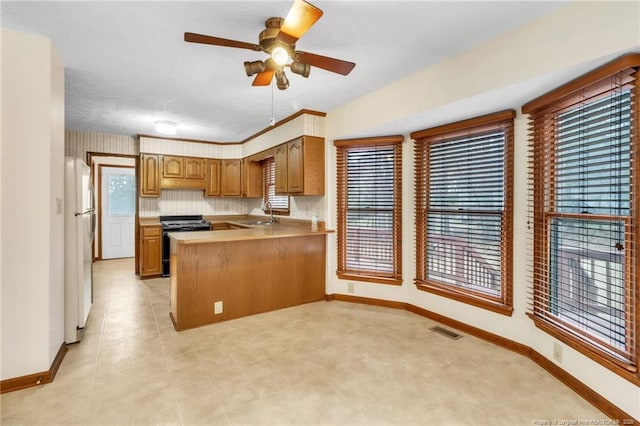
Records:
x=59, y=205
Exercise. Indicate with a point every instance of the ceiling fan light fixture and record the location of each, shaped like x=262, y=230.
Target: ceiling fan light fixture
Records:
x=253, y=67
x=166, y=127
x=280, y=55
x=281, y=80
x=300, y=68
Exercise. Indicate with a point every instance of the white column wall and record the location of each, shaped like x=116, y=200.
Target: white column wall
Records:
x=32, y=167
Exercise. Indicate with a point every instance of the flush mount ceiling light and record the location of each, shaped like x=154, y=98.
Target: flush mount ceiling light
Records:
x=166, y=127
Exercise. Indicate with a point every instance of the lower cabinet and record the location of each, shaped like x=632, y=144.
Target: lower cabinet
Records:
x=150, y=250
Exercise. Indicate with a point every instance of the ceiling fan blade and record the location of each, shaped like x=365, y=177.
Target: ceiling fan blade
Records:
x=300, y=18
x=217, y=41
x=330, y=64
x=263, y=78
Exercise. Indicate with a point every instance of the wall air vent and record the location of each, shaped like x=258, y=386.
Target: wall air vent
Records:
x=447, y=333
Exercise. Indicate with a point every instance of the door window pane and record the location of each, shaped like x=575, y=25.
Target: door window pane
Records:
x=122, y=195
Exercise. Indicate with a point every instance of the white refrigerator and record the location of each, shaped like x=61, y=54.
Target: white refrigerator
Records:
x=79, y=231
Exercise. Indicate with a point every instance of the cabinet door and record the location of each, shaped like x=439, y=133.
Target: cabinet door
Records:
x=149, y=175
x=280, y=159
x=295, y=167
x=172, y=167
x=231, y=178
x=194, y=168
x=151, y=250
x=213, y=178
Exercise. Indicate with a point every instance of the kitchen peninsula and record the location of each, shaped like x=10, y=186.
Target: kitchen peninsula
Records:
x=219, y=275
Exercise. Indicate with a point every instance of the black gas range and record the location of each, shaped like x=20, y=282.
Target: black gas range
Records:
x=178, y=224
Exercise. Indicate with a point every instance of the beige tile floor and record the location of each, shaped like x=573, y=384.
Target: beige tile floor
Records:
x=329, y=363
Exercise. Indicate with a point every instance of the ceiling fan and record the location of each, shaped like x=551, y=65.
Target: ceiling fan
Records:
x=279, y=40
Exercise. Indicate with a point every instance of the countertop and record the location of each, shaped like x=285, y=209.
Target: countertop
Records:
x=256, y=232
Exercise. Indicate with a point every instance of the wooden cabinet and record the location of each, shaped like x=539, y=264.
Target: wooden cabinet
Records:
x=251, y=178
x=194, y=168
x=212, y=178
x=295, y=166
x=281, y=167
x=150, y=250
x=299, y=166
x=149, y=175
x=172, y=167
x=182, y=172
x=231, y=178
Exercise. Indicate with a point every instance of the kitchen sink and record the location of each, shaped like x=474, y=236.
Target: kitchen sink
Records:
x=257, y=222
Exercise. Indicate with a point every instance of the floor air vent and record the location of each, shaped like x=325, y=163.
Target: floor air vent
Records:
x=447, y=333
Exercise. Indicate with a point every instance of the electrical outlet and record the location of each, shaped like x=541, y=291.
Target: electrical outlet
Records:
x=557, y=352
x=350, y=287
x=217, y=308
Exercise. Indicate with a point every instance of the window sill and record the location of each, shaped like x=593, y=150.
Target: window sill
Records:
x=369, y=278
x=626, y=371
x=465, y=297
x=277, y=212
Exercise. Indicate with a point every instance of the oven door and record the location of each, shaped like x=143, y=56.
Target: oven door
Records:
x=166, y=248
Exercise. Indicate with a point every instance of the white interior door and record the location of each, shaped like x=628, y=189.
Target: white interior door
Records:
x=118, y=198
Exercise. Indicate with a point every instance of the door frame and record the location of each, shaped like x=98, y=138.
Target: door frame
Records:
x=99, y=206
x=136, y=158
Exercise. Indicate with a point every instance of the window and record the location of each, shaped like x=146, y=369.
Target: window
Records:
x=279, y=203
x=464, y=189
x=369, y=176
x=584, y=153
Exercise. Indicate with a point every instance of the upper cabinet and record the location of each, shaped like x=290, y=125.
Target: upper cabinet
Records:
x=299, y=170
x=194, y=168
x=182, y=172
x=231, y=178
x=299, y=166
x=213, y=178
x=172, y=167
x=149, y=175
x=251, y=178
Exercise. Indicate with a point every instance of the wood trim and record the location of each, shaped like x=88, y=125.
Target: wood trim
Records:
x=98, y=191
x=136, y=159
x=247, y=139
x=166, y=138
x=30, y=380
x=458, y=132
x=379, y=140
x=344, y=275
x=284, y=121
x=465, y=125
x=588, y=394
x=478, y=300
x=574, y=342
x=607, y=70
x=513, y=346
x=366, y=301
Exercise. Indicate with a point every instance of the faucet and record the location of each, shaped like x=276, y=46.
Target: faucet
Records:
x=272, y=219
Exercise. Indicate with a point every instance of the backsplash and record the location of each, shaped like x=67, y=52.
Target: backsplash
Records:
x=299, y=207
x=184, y=201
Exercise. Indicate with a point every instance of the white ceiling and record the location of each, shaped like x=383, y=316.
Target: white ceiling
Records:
x=128, y=66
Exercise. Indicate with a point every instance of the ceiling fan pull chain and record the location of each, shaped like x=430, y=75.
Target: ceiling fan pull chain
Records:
x=272, y=120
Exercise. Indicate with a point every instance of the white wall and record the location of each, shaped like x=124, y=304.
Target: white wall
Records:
x=32, y=182
x=502, y=73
